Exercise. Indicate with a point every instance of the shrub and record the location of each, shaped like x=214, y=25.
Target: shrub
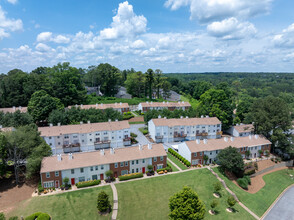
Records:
x=38, y=216
x=167, y=168
x=242, y=182
x=249, y=172
x=65, y=180
x=133, y=135
x=127, y=117
x=177, y=155
x=44, y=216
x=247, y=178
x=256, y=166
x=2, y=216
x=231, y=201
x=88, y=183
x=217, y=186
x=130, y=176
x=213, y=204
x=13, y=218
x=150, y=168
x=103, y=203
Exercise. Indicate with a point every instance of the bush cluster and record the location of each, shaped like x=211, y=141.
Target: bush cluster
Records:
x=88, y=183
x=243, y=182
x=249, y=171
x=133, y=135
x=40, y=188
x=127, y=117
x=177, y=155
x=130, y=176
x=38, y=216
x=167, y=168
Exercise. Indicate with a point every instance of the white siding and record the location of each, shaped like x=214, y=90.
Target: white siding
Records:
x=184, y=151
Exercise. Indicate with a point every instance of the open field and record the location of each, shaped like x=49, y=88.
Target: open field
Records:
x=176, y=161
x=149, y=198
x=80, y=204
x=259, y=202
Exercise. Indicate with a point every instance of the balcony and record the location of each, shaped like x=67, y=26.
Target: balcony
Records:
x=127, y=141
x=159, y=137
x=202, y=134
x=69, y=148
x=127, y=138
x=180, y=135
x=104, y=144
x=219, y=133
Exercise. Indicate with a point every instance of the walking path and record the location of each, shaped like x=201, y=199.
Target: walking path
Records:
x=169, y=160
x=115, y=202
x=140, y=137
x=233, y=194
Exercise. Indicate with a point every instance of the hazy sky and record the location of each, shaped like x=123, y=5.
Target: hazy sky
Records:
x=172, y=35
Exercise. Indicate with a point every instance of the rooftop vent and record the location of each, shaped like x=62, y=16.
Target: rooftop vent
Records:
x=140, y=147
x=197, y=141
x=112, y=151
x=205, y=141
x=149, y=146
x=70, y=156
x=51, y=125
x=232, y=139
x=102, y=152
x=256, y=136
x=58, y=157
x=202, y=116
x=226, y=139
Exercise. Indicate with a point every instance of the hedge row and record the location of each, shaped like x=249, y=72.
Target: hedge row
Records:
x=38, y=216
x=130, y=176
x=167, y=168
x=127, y=117
x=243, y=182
x=177, y=155
x=249, y=171
x=88, y=183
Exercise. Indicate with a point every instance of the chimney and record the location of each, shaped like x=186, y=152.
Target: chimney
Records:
x=116, y=119
x=205, y=141
x=58, y=124
x=159, y=116
x=183, y=102
x=58, y=157
x=187, y=117
x=102, y=152
x=120, y=103
x=207, y=116
x=96, y=104
x=19, y=107
x=140, y=147
x=51, y=125
x=151, y=102
x=250, y=136
x=232, y=139
x=181, y=116
x=101, y=104
x=164, y=117
x=70, y=156
x=82, y=105
x=149, y=146
x=13, y=108
x=197, y=141
x=226, y=139
x=88, y=122
x=147, y=102
x=111, y=150
x=256, y=136
x=201, y=116
x=76, y=105
x=109, y=120
x=81, y=122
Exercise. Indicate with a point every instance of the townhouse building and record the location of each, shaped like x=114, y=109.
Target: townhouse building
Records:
x=86, y=137
x=146, y=106
x=194, y=151
x=14, y=109
x=180, y=129
x=86, y=166
x=241, y=130
x=121, y=107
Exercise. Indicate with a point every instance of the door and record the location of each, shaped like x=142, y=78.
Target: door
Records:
x=154, y=168
x=72, y=181
x=115, y=174
x=56, y=183
x=143, y=169
x=101, y=176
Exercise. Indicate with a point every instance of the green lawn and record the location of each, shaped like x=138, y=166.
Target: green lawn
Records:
x=173, y=167
x=72, y=205
x=194, y=103
x=259, y=202
x=149, y=198
x=176, y=161
x=144, y=130
x=136, y=122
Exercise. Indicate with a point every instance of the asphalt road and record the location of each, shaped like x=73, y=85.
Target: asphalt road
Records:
x=284, y=208
x=140, y=138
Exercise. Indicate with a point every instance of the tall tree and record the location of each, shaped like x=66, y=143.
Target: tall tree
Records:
x=158, y=81
x=149, y=80
x=3, y=154
x=135, y=84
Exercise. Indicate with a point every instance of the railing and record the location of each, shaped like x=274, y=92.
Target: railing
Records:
x=102, y=142
x=202, y=134
x=180, y=135
x=71, y=145
x=127, y=139
x=159, y=137
x=219, y=133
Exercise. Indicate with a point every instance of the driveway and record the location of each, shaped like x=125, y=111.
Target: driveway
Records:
x=283, y=209
x=140, y=138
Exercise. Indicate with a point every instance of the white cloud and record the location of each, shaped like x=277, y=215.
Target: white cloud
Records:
x=206, y=11
x=8, y=25
x=48, y=36
x=286, y=38
x=43, y=47
x=231, y=29
x=125, y=23
x=12, y=1
x=138, y=44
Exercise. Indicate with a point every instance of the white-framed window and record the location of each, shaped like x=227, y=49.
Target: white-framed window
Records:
x=160, y=166
x=96, y=167
x=91, y=168
x=48, y=184
x=194, y=162
x=195, y=154
x=72, y=171
x=66, y=136
x=102, y=167
x=81, y=179
x=126, y=163
x=115, y=165
x=81, y=170
x=121, y=164
x=56, y=173
x=137, y=170
x=137, y=161
x=47, y=175
x=133, y=162
x=143, y=161
x=161, y=158
x=155, y=159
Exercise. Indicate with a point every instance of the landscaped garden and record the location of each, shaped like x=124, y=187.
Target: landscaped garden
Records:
x=149, y=198
x=259, y=202
x=81, y=204
x=176, y=161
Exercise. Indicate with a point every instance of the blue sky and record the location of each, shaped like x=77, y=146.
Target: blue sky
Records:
x=172, y=35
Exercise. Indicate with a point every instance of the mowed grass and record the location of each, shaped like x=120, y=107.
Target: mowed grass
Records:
x=149, y=198
x=259, y=202
x=173, y=167
x=176, y=161
x=81, y=204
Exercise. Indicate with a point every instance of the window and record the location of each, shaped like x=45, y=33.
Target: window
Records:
x=49, y=138
x=48, y=175
x=195, y=154
x=56, y=173
x=121, y=164
x=126, y=163
x=83, y=141
x=210, y=153
x=133, y=171
x=91, y=168
x=58, y=143
x=90, y=139
x=81, y=170
x=115, y=165
x=137, y=161
x=72, y=171
x=96, y=168
x=143, y=161
x=102, y=167
x=216, y=151
x=48, y=184
x=66, y=136
x=50, y=144
x=81, y=179
x=137, y=170
x=161, y=158
x=133, y=162
x=155, y=159
x=159, y=166
x=200, y=153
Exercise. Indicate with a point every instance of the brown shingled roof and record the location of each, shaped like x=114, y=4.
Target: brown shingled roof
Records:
x=103, y=106
x=95, y=158
x=185, y=121
x=14, y=109
x=219, y=144
x=165, y=104
x=83, y=128
x=244, y=128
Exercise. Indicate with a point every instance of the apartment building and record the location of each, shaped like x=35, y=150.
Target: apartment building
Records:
x=14, y=109
x=121, y=107
x=86, y=137
x=93, y=165
x=241, y=130
x=180, y=129
x=146, y=106
x=194, y=151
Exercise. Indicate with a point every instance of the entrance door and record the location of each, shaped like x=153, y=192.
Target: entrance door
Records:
x=72, y=181
x=101, y=176
x=56, y=183
x=143, y=169
x=154, y=168
x=115, y=174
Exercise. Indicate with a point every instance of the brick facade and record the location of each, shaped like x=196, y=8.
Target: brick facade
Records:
x=158, y=162
x=117, y=171
x=198, y=157
x=52, y=178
